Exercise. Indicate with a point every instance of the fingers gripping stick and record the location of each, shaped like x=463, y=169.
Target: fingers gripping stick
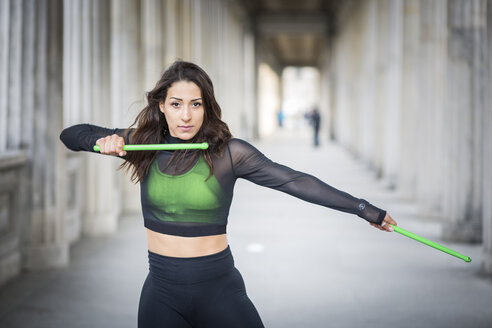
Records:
x=431, y=243
x=203, y=145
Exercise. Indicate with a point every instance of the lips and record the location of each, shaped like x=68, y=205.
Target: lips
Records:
x=185, y=128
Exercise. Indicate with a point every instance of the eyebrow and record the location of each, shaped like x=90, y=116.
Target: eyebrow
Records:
x=182, y=99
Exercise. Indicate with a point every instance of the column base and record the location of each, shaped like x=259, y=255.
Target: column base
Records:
x=47, y=256
x=487, y=264
x=9, y=267
x=462, y=232
x=100, y=224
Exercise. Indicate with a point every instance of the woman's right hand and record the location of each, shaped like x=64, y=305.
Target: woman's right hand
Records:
x=386, y=224
x=112, y=145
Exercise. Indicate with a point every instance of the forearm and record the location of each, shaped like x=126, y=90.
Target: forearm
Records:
x=325, y=195
x=83, y=137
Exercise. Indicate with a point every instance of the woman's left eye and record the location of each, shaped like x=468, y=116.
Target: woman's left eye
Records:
x=197, y=104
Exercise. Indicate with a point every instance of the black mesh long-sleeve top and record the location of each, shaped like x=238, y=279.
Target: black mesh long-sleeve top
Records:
x=192, y=203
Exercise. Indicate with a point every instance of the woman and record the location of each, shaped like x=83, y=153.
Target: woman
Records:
x=186, y=195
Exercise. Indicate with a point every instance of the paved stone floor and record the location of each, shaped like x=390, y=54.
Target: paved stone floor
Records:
x=304, y=265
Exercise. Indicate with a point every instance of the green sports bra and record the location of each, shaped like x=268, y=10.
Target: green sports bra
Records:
x=190, y=204
x=188, y=198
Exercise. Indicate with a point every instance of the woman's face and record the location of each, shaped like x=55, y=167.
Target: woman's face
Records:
x=183, y=109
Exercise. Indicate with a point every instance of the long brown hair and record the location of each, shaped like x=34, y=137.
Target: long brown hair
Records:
x=152, y=125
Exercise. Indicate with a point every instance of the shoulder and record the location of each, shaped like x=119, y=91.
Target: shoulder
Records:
x=237, y=145
x=242, y=152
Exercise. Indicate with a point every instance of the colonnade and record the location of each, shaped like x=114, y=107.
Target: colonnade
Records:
x=408, y=88
x=32, y=159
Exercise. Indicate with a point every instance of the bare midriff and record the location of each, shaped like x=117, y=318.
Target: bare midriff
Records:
x=177, y=246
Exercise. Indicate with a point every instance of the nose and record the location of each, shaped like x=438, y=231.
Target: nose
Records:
x=186, y=116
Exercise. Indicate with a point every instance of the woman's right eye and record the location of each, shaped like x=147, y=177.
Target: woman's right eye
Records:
x=175, y=104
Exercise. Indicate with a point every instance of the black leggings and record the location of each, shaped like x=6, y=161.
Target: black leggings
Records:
x=206, y=291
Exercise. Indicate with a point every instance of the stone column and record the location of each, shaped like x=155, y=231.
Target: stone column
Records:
x=127, y=63
x=4, y=67
x=325, y=87
x=407, y=175
x=73, y=111
x=15, y=76
x=466, y=107
x=382, y=84
x=198, y=20
x=268, y=98
x=152, y=30
x=370, y=55
x=102, y=197
x=127, y=89
x=14, y=194
x=185, y=29
x=334, y=85
x=13, y=204
x=11, y=64
x=343, y=93
x=392, y=109
x=47, y=245
x=431, y=107
x=230, y=86
x=355, y=37
x=249, y=112
x=487, y=151
x=368, y=105
x=211, y=38
x=170, y=15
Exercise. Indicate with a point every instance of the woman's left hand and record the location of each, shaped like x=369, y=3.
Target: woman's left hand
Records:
x=385, y=225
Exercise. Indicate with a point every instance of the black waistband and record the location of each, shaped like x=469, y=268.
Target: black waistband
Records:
x=185, y=229
x=190, y=269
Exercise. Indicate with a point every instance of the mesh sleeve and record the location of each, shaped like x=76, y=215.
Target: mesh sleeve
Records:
x=84, y=136
x=251, y=164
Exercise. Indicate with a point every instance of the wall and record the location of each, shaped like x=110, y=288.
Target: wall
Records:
x=409, y=78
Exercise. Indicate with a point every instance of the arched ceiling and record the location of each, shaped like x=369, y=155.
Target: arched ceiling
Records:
x=294, y=30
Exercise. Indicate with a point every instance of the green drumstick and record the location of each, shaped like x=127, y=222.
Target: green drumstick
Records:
x=431, y=243
x=177, y=146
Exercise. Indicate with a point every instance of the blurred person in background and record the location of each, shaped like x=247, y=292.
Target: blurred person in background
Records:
x=280, y=118
x=314, y=119
x=186, y=196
